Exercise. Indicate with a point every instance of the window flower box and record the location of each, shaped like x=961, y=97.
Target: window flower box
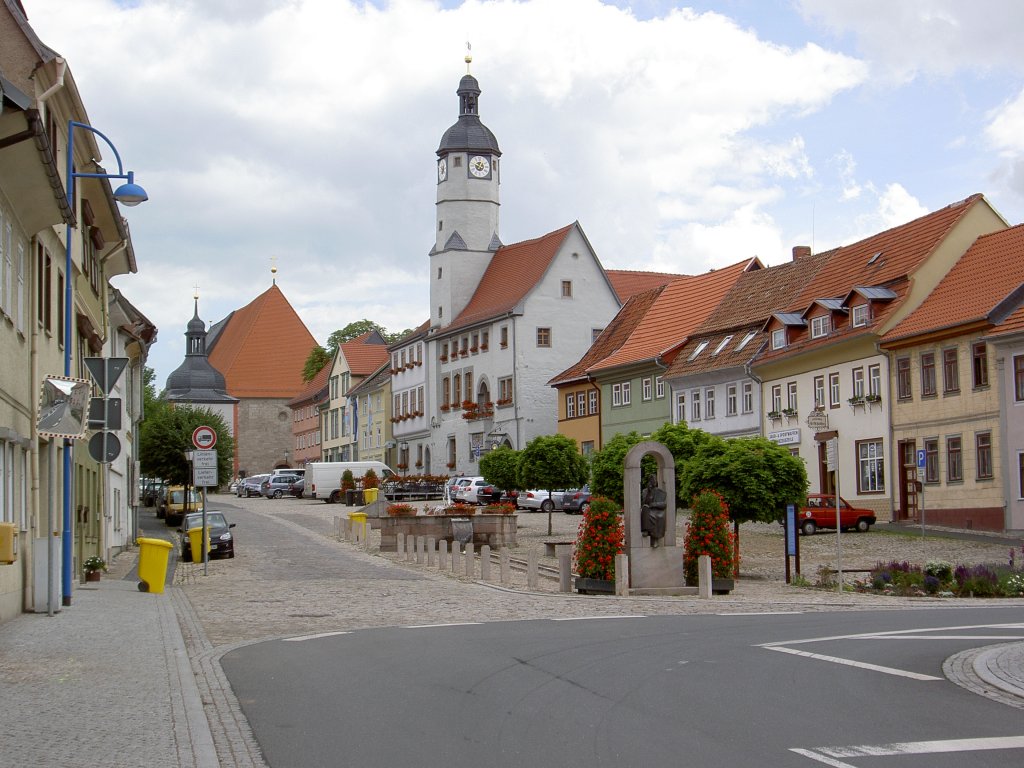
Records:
x=483, y=347
x=474, y=350
x=775, y=415
x=856, y=400
x=445, y=407
x=443, y=358
x=873, y=398
x=789, y=413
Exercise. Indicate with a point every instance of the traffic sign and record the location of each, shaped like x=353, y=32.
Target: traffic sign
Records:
x=920, y=458
x=204, y=437
x=204, y=459
x=104, y=447
x=106, y=370
x=204, y=477
x=105, y=413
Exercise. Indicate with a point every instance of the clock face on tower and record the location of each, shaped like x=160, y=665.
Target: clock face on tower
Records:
x=479, y=166
x=442, y=169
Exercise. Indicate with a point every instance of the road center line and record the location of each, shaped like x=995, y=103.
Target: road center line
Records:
x=596, y=618
x=453, y=624
x=851, y=663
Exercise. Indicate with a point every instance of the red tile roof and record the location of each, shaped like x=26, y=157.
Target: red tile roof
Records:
x=615, y=334
x=629, y=283
x=315, y=385
x=681, y=307
x=990, y=270
x=364, y=357
x=262, y=348
x=514, y=270
x=884, y=257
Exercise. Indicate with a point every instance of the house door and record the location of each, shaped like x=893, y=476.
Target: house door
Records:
x=828, y=479
x=907, y=455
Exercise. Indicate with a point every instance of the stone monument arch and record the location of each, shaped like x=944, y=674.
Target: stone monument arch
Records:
x=655, y=562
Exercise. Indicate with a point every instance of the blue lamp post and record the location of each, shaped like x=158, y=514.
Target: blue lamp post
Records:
x=129, y=194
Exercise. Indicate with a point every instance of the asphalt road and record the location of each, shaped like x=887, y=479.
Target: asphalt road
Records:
x=640, y=691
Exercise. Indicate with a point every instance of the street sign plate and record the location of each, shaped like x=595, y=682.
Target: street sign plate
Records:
x=204, y=477
x=817, y=421
x=105, y=413
x=831, y=448
x=204, y=459
x=204, y=437
x=920, y=458
x=106, y=370
x=96, y=447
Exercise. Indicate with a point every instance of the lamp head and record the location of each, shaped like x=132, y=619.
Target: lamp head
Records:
x=130, y=194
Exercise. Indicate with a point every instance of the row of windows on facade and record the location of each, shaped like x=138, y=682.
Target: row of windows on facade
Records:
x=821, y=325
x=950, y=371
x=14, y=475
x=565, y=289
x=622, y=392
x=983, y=467
x=14, y=300
x=453, y=387
x=307, y=440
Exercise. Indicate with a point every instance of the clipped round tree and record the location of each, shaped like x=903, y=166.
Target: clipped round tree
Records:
x=601, y=537
x=608, y=465
x=500, y=467
x=708, y=534
x=550, y=462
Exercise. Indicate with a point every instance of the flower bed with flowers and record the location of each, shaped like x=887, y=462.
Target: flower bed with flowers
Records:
x=401, y=510
x=601, y=536
x=709, y=532
x=499, y=509
x=943, y=579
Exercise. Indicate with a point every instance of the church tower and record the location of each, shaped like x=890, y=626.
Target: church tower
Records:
x=195, y=381
x=468, y=176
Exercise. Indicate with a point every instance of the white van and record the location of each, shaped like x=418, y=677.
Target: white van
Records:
x=323, y=478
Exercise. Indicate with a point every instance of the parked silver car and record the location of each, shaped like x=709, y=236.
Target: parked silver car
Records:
x=540, y=501
x=276, y=486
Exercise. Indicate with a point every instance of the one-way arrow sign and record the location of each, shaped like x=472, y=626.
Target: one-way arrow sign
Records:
x=106, y=371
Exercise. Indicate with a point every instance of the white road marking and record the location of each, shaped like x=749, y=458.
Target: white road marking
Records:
x=851, y=663
x=894, y=633
x=453, y=624
x=762, y=613
x=831, y=755
x=314, y=637
x=1005, y=638
x=596, y=618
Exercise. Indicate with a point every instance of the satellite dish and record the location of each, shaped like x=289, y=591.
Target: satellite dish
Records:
x=63, y=407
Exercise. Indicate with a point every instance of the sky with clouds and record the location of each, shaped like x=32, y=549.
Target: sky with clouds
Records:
x=683, y=137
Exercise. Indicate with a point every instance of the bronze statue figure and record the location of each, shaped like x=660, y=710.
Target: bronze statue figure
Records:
x=652, y=513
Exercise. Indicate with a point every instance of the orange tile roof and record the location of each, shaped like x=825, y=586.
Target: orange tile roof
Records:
x=262, y=348
x=615, y=334
x=629, y=283
x=743, y=310
x=1014, y=323
x=317, y=383
x=899, y=251
x=364, y=358
x=679, y=310
x=514, y=270
x=990, y=270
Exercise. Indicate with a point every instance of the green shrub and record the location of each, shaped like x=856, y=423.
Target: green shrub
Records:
x=601, y=537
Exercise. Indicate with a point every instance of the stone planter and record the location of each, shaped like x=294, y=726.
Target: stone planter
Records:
x=93, y=575
x=588, y=586
x=722, y=586
x=495, y=530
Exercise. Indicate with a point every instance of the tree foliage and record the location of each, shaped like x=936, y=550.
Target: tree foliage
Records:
x=550, y=462
x=608, y=464
x=321, y=356
x=755, y=477
x=500, y=467
x=166, y=434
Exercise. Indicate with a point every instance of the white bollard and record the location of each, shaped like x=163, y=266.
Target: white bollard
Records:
x=622, y=575
x=564, y=554
x=704, y=577
x=431, y=550
x=421, y=545
x=505, y=565
x=485, y=562
x=470, y=561
x=531, y=569
x=455, y=557
x=442, y=555
x=410, y=548
x=400, y=544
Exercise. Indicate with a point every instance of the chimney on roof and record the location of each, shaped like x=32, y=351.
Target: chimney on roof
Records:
x=801, y=252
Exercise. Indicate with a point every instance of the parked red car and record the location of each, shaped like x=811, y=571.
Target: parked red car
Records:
x=820, y=512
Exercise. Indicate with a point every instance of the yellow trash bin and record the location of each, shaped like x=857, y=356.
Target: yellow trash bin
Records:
x=370, y=495
x=195, y=538
x=153, y=554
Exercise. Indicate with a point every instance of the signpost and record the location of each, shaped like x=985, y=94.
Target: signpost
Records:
x=921, y=458
x=204, y=475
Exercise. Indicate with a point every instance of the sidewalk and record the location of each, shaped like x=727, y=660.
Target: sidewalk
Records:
x=106, y=681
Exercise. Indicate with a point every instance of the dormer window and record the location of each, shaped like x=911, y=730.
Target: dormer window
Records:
x=779, y=338
x=746, y=340
x=861, y=315
x=820, y=326
x=721, y=345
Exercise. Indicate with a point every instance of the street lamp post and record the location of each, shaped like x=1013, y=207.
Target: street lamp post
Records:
x=128, y=194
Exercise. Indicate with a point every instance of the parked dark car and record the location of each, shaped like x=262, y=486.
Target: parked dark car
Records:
x=276, y=486
x=251, y=485
x=576, y=502
x=222, y=541
x=298, y=488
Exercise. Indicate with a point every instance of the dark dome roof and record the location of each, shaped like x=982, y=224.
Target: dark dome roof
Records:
x=196, y=379
x=468, y=134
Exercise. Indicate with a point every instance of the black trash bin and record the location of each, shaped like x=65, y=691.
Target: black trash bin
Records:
x=357, y=498
x=349, y=497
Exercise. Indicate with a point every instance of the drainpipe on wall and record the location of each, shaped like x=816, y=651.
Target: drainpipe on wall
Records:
x=62, y=67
